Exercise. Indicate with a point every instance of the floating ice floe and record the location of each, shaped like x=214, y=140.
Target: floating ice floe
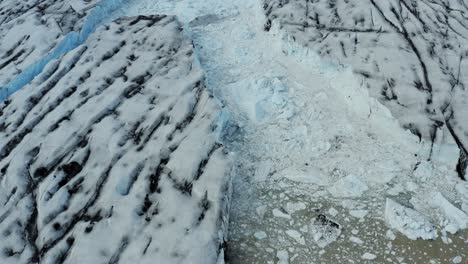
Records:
x=260, y=235
x=324, y=231
x=291, y=207
x=356, y=240
x=311, y=175
x=279, y=213
x=369, y=256
x=283, y=257
x=296, y=235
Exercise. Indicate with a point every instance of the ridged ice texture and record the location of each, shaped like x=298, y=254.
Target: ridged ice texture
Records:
x=35, y=32
x=411, y=54
x=110, y=155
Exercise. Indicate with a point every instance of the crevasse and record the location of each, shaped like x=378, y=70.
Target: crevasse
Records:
x=95, y=18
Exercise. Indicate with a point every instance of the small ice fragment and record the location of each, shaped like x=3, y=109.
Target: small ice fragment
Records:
x=283, y=257
x=358, y=213
x=356, y=240
x=324, y=231
x=279, y=213
x=390, y=235
x=261, y=210
x=332, y=211
x=291, y=208
x=296, y=236
x=260, y=235
x=369, y=256
x=457, y=259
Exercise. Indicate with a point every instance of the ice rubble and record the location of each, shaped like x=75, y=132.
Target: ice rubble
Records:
x=111, y=149
x=408, y=221
x=357, y=37
x=455, y=219
x=267, y=98
x=410, y=61
x=349, y=186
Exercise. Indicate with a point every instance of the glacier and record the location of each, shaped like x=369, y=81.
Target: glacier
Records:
x=262, y=131
x=113, y=150
x=100, y=13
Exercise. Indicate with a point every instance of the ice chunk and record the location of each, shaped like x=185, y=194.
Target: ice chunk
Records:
x=390, y=235
x=262, y=99
x=369, y=256
x=261, y=210
x=349, y=186
x=359, y=213
x=356, y=240
x=296, y=236
x=324, y=231
x=279, y=213
x=457, y=219
x=424, y=170
x=283, y=257
x=408, y=221
x=311, y=176
x=457, y=260
x=332, y=211
x=263, y=170
x=291, y=208
x=260, y=235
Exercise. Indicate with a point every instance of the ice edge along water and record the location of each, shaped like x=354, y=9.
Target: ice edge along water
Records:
x=72, y=40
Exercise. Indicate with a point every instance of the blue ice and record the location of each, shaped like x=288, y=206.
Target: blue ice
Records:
x=96, y=17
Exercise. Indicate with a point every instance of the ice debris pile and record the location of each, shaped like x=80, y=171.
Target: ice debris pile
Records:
x=411, y=55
